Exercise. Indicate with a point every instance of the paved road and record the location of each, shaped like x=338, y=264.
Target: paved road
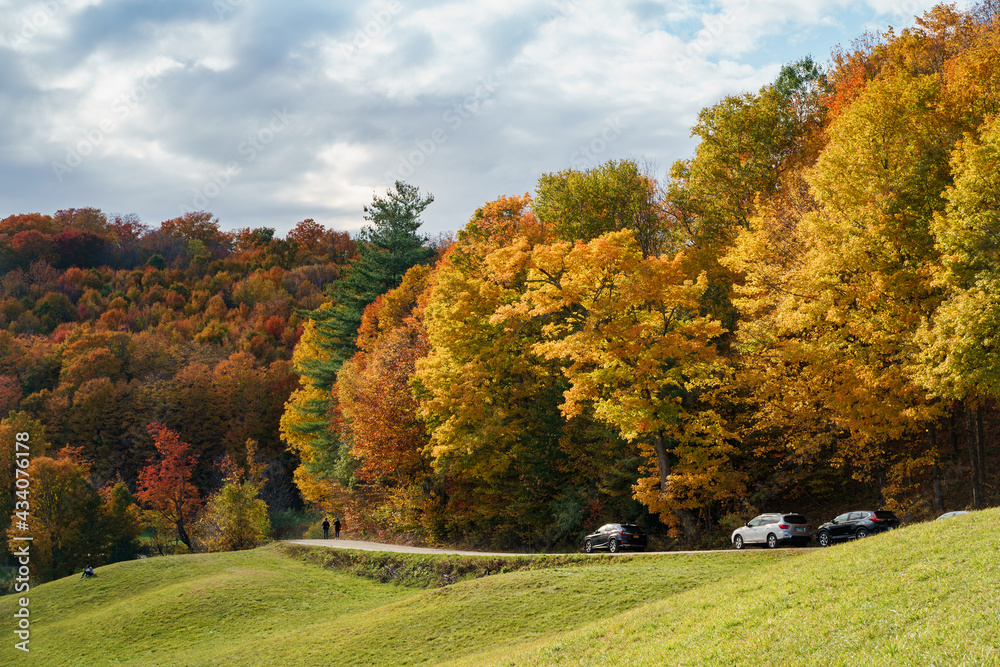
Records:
x=377, y=546
x=397, y=548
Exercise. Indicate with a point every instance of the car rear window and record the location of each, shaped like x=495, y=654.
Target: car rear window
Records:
x=633, y=529
x=885, y=515
x=795, y=518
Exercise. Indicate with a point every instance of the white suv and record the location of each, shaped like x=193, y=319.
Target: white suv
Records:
x=772, y=530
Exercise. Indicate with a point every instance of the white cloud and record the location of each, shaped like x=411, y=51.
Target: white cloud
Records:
x=331, y=184
x=503, y=90
x=31, y=28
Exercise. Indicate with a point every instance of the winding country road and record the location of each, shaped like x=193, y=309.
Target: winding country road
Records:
x=378, y=546
x=397, y=548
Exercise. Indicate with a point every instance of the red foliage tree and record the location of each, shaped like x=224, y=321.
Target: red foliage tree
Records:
x=275, y=326
x=128, y=229
x=166, y=485
x=77, y=247
x=31, y=245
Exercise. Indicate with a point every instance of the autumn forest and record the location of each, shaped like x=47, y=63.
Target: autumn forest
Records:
x=804, y=313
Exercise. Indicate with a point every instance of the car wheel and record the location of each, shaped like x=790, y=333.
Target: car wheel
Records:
x=738, y=541
x=588, y=546
x=613, y=546
x=861, y=534
x=772, y=541
x=824, y=539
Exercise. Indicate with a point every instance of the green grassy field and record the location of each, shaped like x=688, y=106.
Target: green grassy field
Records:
x=924, y=595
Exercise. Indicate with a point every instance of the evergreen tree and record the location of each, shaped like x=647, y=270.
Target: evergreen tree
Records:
x=387, y=248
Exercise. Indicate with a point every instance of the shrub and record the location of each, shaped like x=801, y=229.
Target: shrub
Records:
x=234, y=519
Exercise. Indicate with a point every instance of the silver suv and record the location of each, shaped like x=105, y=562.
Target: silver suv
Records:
x=772, y=530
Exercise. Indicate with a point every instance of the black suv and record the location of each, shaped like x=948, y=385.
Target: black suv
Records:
x=616, y=536
x=856, y=525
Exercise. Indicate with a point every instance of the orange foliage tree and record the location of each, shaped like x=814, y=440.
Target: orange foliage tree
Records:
x=165, y=485
x=379, y=411
x=636, y=353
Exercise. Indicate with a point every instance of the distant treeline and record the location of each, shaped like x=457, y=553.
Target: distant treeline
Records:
x=108, y=325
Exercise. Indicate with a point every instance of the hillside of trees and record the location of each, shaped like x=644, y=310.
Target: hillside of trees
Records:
x=802, y=315
x=108, y=325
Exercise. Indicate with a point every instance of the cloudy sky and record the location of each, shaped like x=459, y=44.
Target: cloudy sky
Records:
x=266, y=112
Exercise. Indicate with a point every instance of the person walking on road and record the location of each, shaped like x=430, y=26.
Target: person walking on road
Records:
x=326, y=529
x=336, y=529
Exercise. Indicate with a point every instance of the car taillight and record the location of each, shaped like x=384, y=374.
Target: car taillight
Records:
x=783, y=526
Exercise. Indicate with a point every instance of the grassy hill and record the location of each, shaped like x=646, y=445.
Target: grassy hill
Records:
x=927, y=594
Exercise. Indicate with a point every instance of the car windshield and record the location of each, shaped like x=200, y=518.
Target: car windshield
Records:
x=884, y=515
x=794, y=518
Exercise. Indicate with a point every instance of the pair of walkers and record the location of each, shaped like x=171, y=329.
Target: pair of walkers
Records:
x=336, y=529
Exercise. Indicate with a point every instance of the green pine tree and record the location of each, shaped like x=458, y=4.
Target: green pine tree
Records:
x=387, y=249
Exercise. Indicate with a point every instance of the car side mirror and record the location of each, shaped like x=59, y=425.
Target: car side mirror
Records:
x=748, y=524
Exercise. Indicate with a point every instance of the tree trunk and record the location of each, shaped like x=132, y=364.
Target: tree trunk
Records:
x=972, y=436
x=938, y=494
x=663, y=466
x=953, y=432
x=936, y=470
x=182, y=533
x=662, y=462
x=981, y=454
x=688, y=521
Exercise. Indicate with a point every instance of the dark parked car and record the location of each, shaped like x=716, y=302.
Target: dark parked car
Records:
x=856, y=525
x=616, y=536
